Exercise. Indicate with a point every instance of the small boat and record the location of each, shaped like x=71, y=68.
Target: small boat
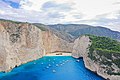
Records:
x=57, y=65
x=49, y=65
x=54, y=71
x=78, y=60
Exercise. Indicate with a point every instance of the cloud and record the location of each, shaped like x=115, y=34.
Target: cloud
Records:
x=55, y=15
x=32, y=4
x=4, y=5
x=78, y=15
x=114, y=26
x=93, y=12
x=116, y=3
x=50, y=5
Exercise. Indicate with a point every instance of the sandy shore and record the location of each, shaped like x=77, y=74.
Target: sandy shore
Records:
x=59, y=54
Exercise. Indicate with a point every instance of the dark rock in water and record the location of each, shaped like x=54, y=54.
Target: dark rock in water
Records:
x=107, y=79
x=16, y=66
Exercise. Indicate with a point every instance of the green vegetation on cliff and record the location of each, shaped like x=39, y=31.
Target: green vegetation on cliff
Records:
x=105, y=51
x=105, y=43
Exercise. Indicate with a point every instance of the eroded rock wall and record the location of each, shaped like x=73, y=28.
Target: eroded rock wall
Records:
x=19, y=43
x=24, y=42
x=81, y=49
x=53, y=43
x=80, y=46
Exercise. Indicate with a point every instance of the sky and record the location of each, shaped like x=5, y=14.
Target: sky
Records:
x=104, y=13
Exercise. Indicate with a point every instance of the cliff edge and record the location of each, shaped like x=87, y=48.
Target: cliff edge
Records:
x=24, y=42
x=101, y=61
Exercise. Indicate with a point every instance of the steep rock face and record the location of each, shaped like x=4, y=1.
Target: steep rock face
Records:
x=53, y=43
x=19, y=43
x=104, y=65
x=81, y=49
x=23, y=42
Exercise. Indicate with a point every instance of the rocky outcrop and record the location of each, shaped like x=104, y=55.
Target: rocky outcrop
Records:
x=81, y=49
x=52, y=43
x=19, y=43
x=23, y=42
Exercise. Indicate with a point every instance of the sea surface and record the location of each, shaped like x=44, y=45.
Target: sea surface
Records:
x=51, y=68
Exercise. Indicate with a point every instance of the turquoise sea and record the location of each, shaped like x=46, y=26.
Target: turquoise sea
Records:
x=51, y=68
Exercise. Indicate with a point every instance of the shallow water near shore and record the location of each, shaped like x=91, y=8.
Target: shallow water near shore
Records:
x=51, y=68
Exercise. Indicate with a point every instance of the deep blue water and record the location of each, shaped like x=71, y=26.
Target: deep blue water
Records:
x=51, y=68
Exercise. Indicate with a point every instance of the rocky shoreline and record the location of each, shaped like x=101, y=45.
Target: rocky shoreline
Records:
x=24, y=42
x=80, y=49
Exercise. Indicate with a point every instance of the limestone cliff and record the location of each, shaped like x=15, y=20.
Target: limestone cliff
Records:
x=80, y=47
x=97, y=61
x=53, y=43
x=23, y=42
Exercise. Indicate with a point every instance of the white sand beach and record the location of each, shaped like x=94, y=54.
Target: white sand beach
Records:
x=58, y=54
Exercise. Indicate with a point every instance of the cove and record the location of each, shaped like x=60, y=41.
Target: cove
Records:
x=52, y=68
